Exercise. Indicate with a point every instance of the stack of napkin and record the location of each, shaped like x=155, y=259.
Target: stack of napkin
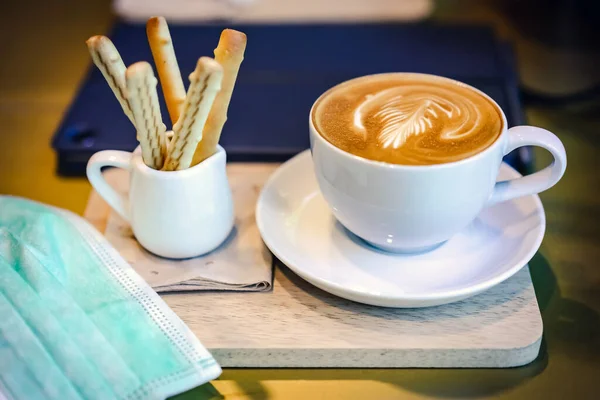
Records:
x=242, y=263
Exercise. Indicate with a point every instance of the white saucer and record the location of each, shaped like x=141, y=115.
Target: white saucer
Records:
x=298, y=227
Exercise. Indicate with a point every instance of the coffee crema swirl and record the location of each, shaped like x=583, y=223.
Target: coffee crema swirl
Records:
x=407, y=119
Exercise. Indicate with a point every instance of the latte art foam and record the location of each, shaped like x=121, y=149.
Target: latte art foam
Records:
x=407, y=119
x=413, y=110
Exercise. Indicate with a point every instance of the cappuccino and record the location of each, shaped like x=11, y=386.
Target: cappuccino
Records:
x=409, y=119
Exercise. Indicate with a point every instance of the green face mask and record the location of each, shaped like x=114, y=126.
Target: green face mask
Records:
x=76, y=321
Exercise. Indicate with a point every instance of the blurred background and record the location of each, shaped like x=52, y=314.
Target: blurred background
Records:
x=542, y=57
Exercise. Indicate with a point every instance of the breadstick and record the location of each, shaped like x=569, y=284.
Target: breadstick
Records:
x=142, y=96
x=109, y=62
x=230, y=54
x=166, y=65
x=205, y=83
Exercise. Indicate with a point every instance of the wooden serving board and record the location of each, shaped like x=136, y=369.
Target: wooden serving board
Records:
x=298, y=325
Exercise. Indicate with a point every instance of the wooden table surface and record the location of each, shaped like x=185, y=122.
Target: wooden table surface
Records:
x=44, y=58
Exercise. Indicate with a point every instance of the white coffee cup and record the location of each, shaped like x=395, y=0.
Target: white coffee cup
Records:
x=174, y=214
x=406, y=208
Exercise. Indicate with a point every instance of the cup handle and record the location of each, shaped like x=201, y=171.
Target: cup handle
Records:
x=109, y=158
x=537, y=182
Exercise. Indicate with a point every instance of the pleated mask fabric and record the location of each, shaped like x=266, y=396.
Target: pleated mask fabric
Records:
x=77, y=322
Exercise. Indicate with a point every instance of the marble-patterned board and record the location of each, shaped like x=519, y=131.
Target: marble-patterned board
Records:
x=298, y=325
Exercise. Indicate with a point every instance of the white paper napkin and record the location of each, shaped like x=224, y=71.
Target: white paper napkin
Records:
x=242, y=263
x=274, y=10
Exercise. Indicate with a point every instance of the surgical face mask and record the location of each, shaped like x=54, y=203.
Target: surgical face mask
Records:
x=77, y=322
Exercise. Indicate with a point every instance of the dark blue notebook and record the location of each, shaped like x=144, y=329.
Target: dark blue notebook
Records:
x=285, y=69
